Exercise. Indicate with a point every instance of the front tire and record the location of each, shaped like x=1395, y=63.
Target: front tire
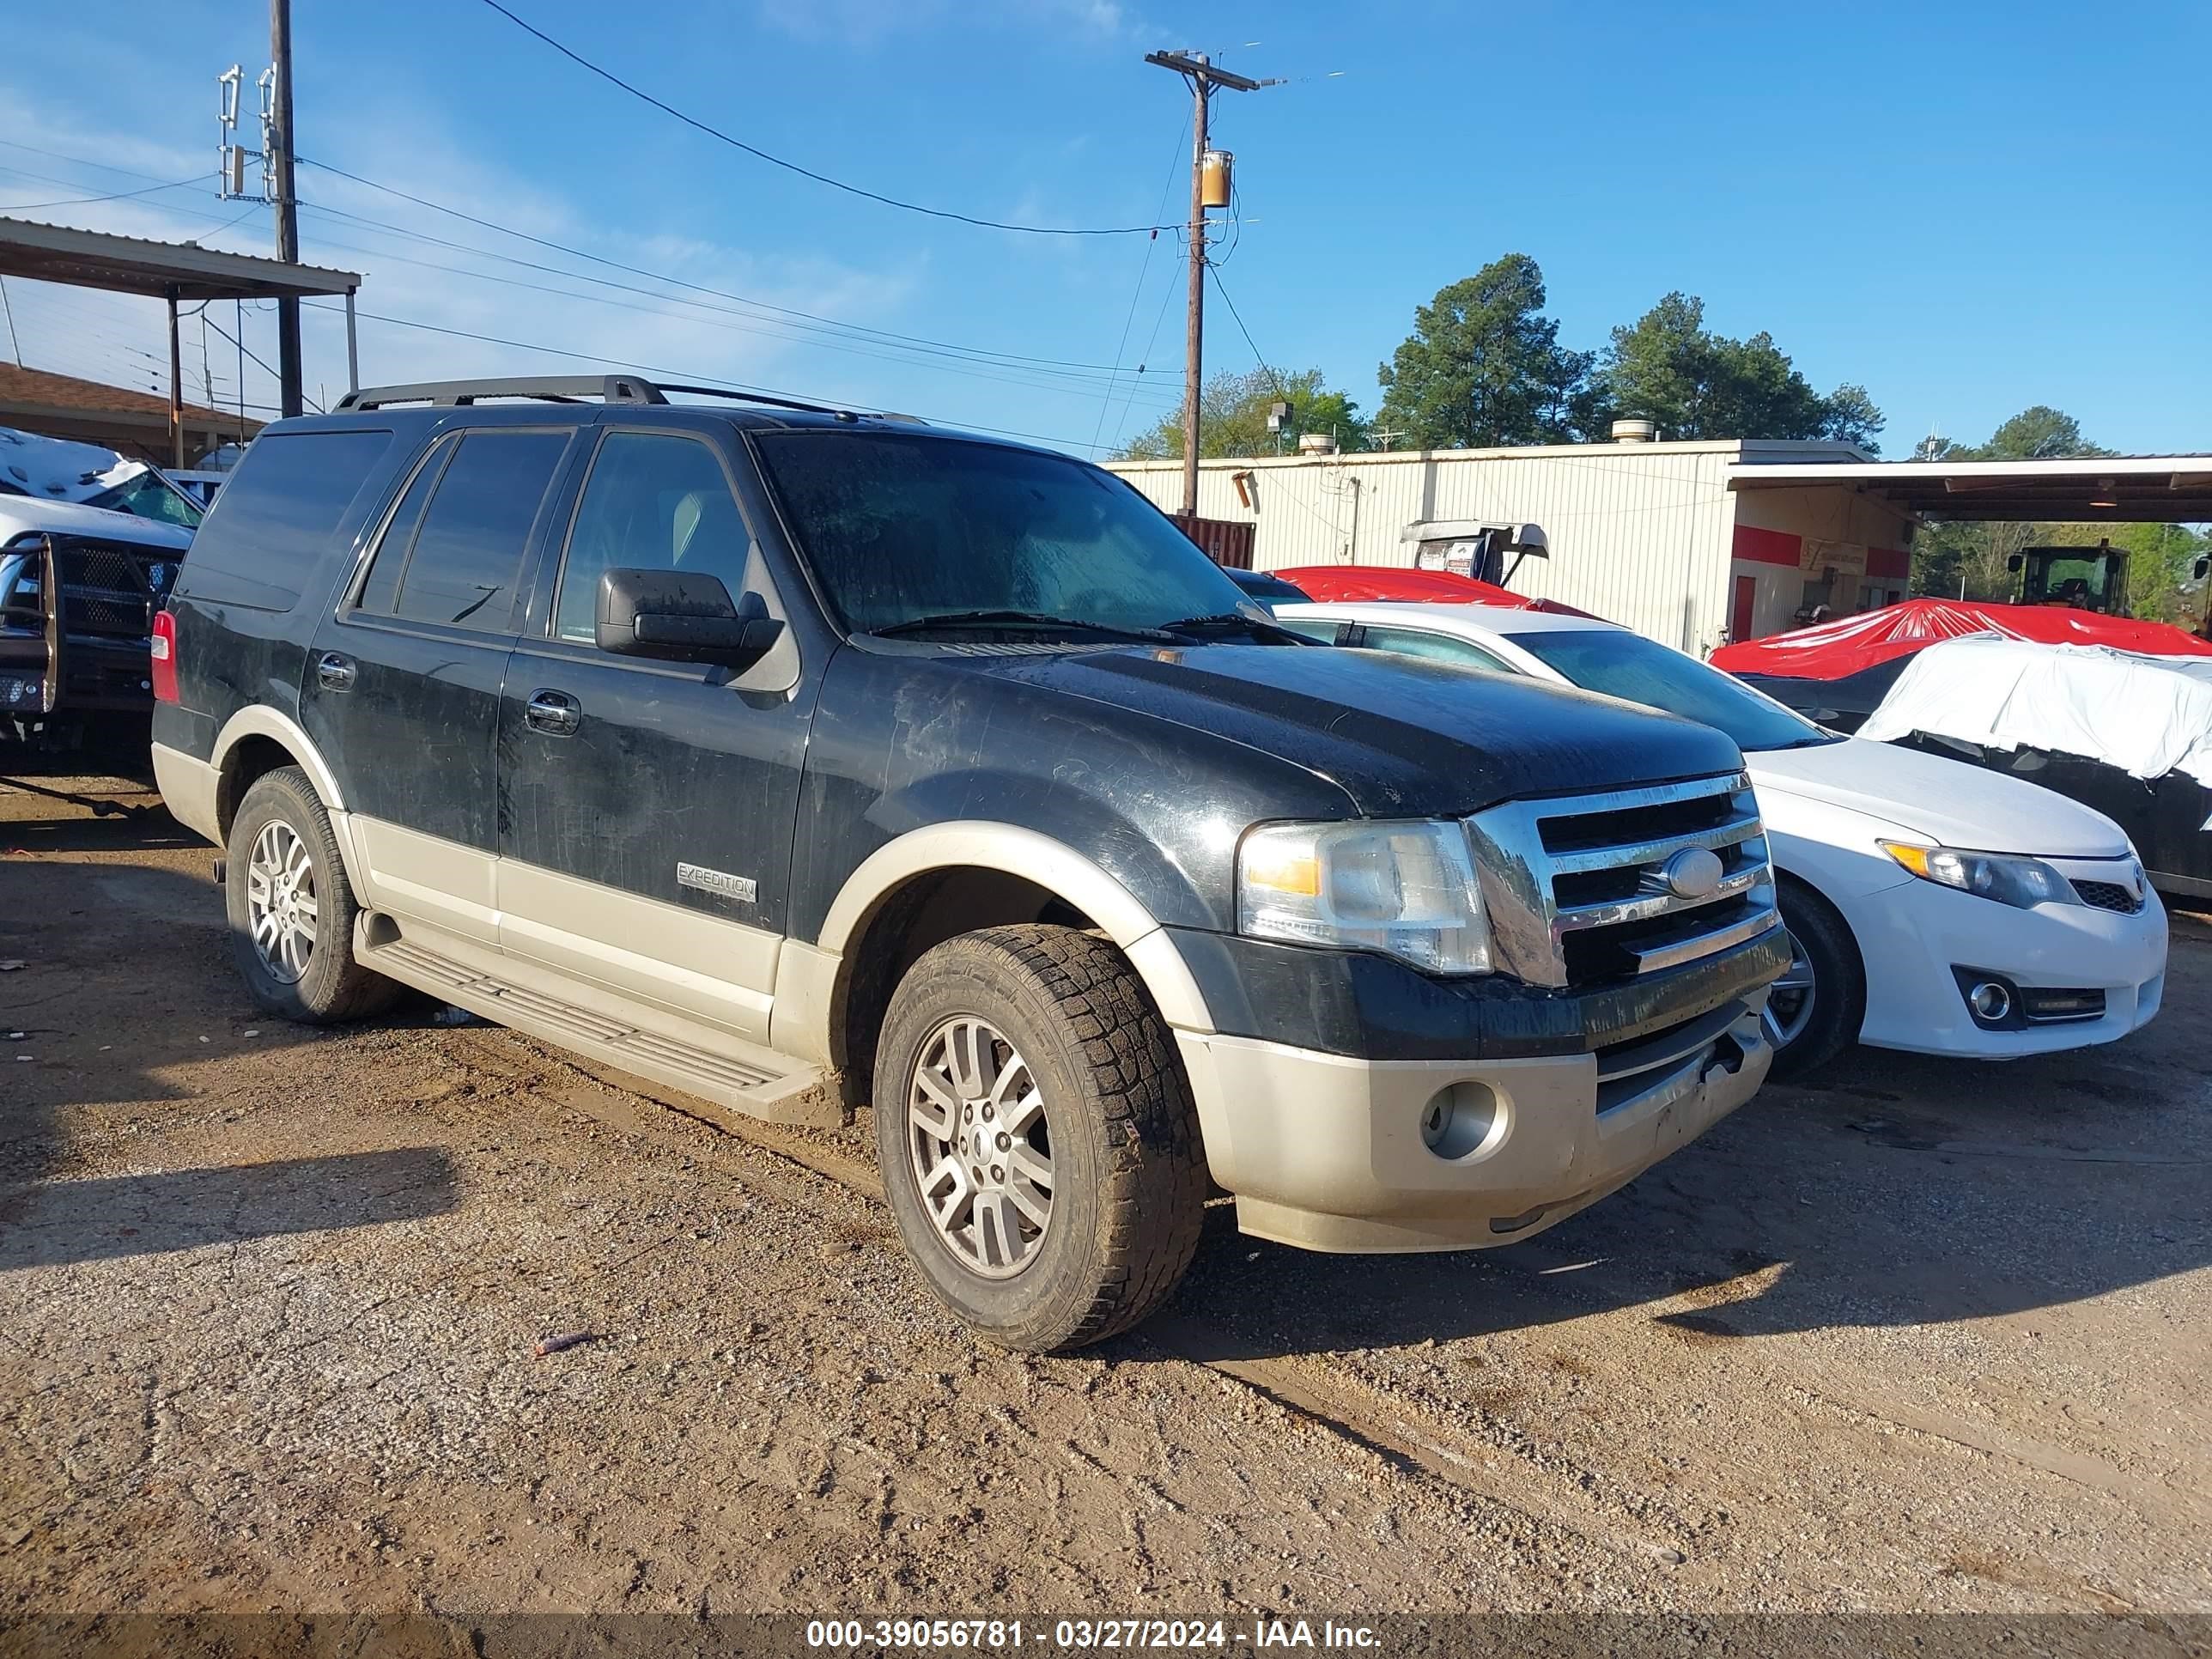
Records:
x=1814, y=1011
x=292, y=909
x=1036, y=1137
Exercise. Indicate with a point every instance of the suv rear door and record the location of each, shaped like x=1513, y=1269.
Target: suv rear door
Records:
x=650, y=805
x=401, y=685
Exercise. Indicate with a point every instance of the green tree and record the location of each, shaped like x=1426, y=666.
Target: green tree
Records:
x=1668, y=368
x=1232, y=417
x=1484, y=367
x=1955, y=559
x=2038, y=433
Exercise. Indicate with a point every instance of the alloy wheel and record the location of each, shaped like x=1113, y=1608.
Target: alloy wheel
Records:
x=980, y=1146
x=280, y=900
x=1789, y=999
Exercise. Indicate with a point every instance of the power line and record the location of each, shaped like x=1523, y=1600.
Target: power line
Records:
x=989, y=359
x=229, y=224
x=114, y=196
x=623, y=362
x=1174, y=166
x=77, y=160
x=1058, y=383
x=255, y=357
x=693, y=121
x=1275, y=380
x=984, y=356
x=655, y=276
x=1152, y=342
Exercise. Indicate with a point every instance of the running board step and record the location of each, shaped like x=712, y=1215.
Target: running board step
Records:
x=738, y=1076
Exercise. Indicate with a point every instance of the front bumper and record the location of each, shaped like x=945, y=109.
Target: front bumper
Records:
x=1913, y=937
x=1328, y=1152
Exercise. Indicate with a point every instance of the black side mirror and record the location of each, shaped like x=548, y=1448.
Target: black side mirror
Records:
x=2013, y=563
x=678, y=615
x=2202, y=568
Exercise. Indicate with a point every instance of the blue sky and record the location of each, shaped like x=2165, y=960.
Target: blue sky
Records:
x=1967, y=209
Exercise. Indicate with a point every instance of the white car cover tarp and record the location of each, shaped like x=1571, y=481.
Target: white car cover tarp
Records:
x=2146, y=715
x=57, y=470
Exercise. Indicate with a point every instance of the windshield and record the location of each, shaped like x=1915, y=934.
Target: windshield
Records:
x=148, y=497
x=901, y=526
x=2081, y=579
x=1627, y=665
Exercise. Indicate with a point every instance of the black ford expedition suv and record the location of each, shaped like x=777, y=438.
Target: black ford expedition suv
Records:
x=800, y=759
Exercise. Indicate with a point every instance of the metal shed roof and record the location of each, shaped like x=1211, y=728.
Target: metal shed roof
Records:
x=2120, y=488
x=159, y=270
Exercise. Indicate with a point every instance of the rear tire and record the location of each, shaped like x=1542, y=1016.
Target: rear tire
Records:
x=1036, y=1137
x=1809, y=1035
x=292, y=909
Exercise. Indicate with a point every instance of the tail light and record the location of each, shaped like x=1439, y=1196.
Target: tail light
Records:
x=164, y=657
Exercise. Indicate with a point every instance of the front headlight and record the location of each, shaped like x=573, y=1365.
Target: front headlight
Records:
x=2022, y=882
x=1405, y=888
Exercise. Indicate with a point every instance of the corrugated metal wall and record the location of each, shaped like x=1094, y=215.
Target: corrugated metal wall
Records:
x=1639, y=533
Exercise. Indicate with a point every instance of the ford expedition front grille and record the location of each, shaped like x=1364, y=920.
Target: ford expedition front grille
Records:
x=1587, y=889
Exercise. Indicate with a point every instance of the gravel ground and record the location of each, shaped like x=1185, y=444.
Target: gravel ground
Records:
x=1923, y=1336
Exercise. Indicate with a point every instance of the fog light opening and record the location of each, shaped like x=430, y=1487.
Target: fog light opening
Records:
x=1991, y=1001
x=1461, y=1120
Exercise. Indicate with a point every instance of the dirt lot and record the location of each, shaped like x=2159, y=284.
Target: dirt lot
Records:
x=1924, y=1336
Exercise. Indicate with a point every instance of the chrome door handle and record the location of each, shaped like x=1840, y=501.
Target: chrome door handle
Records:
x=554, y=712
x=335, y=673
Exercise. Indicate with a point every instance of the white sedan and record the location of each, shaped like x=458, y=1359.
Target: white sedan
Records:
x=1931, y=905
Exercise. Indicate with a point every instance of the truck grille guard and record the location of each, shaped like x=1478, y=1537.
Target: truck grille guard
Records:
x=1585, y=889
x=95, y=602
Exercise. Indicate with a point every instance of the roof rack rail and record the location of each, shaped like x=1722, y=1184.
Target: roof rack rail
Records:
x=575, y=388
x=551, y=388
x=763, y=397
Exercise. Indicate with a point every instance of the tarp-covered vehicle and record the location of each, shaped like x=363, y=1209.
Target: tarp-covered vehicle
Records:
x=2126, y=732
x=1837, y=672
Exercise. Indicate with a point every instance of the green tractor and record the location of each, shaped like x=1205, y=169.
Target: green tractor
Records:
x=2079, y=578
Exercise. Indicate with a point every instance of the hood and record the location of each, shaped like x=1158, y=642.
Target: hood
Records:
x=1955, y=803
x=1403, y=736
x=22, y=515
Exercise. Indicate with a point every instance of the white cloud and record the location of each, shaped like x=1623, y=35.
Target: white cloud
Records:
x=124, y=339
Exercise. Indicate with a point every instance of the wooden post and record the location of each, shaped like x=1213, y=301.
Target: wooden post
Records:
x=1194, y=347
x=176, y=388
x=289, y=399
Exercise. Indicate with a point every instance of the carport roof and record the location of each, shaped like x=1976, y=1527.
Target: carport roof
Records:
x=159, y=270
x=2117, y=489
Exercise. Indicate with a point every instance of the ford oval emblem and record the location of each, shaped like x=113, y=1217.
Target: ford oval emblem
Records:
x=1692, y=873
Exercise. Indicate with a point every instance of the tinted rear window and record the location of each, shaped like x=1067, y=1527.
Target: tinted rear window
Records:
x=274, y=521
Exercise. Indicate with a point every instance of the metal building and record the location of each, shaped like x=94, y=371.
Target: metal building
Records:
x=1657, y=536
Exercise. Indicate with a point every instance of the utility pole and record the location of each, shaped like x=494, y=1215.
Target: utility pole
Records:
x=287, y=212
x=176, y=387
x=1195, y=68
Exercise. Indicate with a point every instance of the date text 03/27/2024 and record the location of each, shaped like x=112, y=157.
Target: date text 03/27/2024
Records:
x=1083, y=1635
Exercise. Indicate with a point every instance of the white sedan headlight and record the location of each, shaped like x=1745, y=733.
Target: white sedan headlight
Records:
x=1405, y=888
x=2021, y=882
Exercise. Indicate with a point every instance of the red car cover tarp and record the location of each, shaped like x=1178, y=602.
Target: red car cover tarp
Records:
x=1349, y=583
x=1835, y=650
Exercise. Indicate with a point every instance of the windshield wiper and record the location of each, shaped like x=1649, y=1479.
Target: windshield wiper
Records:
x=1025, y=618
x=1226, y=620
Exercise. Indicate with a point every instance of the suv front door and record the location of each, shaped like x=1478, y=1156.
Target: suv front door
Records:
x=650, y=805
x=401, y=689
